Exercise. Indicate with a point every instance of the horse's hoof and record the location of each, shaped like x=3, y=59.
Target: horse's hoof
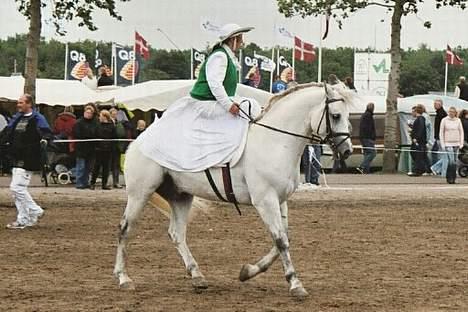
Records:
x=128, y=285
x=299, y=293
x=245, y=274
x=199, y=283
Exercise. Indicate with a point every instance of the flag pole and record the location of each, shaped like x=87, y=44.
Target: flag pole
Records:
x=294, y=60
x=272, y=72
x=241, y=61
x=191, y=63
x=277, y=62
x=134, y=59
x=319, y=71
x=65, y=77
x=446, y=78
x=114, y=59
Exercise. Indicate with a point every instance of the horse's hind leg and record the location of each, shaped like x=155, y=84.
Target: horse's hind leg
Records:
x=177, y=231
x=249, y=271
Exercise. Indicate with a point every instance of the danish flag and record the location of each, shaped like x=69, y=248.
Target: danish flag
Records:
x=451, y=58
x=304, y=51
x=141, y=46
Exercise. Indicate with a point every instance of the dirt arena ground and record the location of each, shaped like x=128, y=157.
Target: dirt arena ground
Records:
x=367, y=243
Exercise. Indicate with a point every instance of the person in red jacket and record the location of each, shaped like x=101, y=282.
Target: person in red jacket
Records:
x=63, y=126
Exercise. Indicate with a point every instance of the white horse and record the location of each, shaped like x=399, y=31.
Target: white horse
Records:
x=265, y=177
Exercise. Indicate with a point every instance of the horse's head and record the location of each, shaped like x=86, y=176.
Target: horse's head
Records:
x=332, y=122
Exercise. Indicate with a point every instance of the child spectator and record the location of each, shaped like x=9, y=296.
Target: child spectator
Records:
x=106, y=131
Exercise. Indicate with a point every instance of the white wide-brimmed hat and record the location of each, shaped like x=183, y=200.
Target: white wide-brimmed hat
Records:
x=230, y=30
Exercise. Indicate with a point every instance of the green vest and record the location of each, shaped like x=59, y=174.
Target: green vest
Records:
x=201, y=90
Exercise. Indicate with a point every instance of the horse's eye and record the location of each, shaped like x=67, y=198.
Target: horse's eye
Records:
x=336, y=116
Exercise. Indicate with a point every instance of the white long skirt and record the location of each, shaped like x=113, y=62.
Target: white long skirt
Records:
x=195, y=135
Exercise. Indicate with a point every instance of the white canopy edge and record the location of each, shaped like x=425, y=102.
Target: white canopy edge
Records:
x=155, y=94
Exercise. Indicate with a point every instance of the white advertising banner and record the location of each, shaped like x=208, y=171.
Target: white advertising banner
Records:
x=371, y=72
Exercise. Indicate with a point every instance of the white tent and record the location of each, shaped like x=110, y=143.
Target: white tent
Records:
x=159, y=94
x=155, y=94
x=406, y=104
x=48, y=91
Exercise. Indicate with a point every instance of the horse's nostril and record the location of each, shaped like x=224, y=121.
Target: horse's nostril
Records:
x=346, y=154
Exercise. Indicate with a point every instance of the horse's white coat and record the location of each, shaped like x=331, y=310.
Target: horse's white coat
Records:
x=266, y=175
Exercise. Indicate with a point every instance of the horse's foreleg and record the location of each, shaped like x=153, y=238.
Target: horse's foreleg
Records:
x=249, y=271
x=177, y=232
x=270, y=212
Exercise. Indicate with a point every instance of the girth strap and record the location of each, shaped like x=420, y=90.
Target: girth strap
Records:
x=228, y=189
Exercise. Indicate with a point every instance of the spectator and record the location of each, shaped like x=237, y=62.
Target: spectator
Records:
x=451, y=139
x=63, y=126
x=4, y=161
x=105, y=130
x=85, y=128
x=311, y=164
x=430, y=140
x=278, y=86
x=250, y=80
x=333, y=80
x=90, y=80
x=350, y=83
x=461, y=90
x=119, y=147
x=141, y=127
x=26, y=132
x=104, y=78
x=367, y=136
x=4, y=118
x=290, y=78
x=419, y=141
x=464, y=120
x=440, y=114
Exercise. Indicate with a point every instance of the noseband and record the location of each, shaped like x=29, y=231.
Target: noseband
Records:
x=315, y=138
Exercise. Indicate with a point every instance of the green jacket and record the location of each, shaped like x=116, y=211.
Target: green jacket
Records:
x=201, y=90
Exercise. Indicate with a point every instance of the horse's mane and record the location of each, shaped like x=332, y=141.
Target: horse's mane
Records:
x=284, y=94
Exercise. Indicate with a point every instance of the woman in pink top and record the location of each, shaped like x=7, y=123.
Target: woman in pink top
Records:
x=451, y=139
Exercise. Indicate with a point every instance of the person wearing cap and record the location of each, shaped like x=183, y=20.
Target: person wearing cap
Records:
x=205, y=129
x=27, y=130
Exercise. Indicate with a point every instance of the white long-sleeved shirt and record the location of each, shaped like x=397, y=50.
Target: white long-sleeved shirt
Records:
x=216, y=67
x=451, y=132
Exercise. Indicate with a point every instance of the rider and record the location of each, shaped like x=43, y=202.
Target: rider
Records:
x=204, y=129
x=218, y=75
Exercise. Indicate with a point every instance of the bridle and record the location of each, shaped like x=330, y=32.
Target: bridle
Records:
x=330, y=134
x=315, y=138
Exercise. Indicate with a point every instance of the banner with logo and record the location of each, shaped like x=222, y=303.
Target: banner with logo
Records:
x=250, y=71
x=76, y=64
x=282, y=63
x=98, y=59
x=124, y=70
x=371, y=73
x=197, y=60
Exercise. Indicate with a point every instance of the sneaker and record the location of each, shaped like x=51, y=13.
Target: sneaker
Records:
x=17, y=225
x=360, y=170
x=118, y=186
x=106, y=188
x=36, y=217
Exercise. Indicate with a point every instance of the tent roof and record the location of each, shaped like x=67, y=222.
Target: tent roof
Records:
x=406, y=104
x=155, y=94
x=49, y=91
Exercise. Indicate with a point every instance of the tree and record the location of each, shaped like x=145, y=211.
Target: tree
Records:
x=63, y=10
x=399, y=9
